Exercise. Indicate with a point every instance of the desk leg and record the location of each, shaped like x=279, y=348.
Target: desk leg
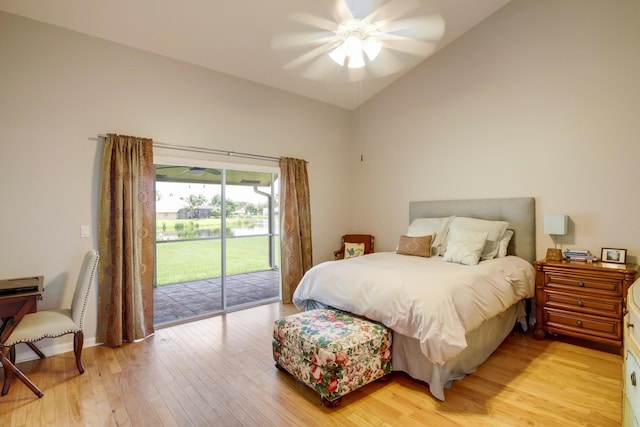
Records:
x=9, y=369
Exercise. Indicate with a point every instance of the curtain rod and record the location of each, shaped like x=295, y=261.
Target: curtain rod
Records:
x=210, y=151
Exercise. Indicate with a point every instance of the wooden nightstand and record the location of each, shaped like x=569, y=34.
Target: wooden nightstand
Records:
x=582, y=300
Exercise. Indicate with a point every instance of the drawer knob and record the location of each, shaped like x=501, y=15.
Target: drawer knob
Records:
x=579, y=323
x=580, y=303
x=581, y=284
x=633, y=378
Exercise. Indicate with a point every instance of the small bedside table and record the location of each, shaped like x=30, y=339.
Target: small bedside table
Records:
x=581, y=299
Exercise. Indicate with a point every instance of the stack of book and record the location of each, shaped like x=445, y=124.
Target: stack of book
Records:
x=579, y=255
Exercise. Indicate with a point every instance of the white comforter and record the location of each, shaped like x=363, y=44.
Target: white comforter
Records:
x=434, y=301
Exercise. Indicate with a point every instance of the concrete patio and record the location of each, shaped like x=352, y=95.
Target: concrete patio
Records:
x=183, y=301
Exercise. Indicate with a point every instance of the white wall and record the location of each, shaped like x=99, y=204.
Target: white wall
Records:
x=542, y=99
x=60, y=89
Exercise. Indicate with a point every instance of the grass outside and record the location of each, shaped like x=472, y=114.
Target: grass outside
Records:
x=185, y=261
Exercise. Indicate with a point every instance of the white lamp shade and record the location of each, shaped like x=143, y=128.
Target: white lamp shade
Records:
x=556, y=224
x=372, y=47
x=352, y=46
x=356, y=61
x=338, y=55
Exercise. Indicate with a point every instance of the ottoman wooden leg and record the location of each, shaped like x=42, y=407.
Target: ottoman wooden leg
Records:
x=331, y=403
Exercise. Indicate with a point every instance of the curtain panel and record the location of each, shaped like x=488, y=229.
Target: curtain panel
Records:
x=295, y=224
x=126, y=233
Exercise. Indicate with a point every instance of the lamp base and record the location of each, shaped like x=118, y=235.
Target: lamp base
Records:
x=554, y=254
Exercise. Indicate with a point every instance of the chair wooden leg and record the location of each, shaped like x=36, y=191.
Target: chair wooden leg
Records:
x=78, y=342
x=35, y=349
x=8, y=373
x=12, y=354
x=10, y=370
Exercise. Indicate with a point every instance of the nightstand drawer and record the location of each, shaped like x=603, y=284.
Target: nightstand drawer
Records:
x=584, y=304
x=571, y=323
x=572, y=281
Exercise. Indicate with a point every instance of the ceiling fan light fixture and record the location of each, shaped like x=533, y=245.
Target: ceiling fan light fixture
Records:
x=356, y=38
x=338, y=55
x=356, y=61
x=372, y=47
x=353, y=45
x=364, y=38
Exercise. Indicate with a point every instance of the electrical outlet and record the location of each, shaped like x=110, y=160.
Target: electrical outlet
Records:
x=84, y=231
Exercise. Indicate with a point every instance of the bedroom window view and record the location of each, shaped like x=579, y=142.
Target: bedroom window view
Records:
x=217, y=245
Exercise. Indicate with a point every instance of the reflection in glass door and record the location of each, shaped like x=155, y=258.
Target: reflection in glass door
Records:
x=216, y=241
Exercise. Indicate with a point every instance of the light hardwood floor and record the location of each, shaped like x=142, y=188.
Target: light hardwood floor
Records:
x=219, y=372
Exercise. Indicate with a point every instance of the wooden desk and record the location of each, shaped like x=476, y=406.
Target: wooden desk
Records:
x=13, y=307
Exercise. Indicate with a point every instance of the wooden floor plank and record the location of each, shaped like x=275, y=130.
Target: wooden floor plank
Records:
x=220, y=372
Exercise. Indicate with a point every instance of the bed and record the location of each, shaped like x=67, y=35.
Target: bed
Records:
x=448, y=313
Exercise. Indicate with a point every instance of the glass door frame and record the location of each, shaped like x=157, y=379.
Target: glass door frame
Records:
x=272, y=202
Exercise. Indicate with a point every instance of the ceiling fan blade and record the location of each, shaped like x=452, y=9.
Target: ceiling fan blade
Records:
x=314, y=21
x=424, y=28
x=342, y=12
x=309, y=38
x=408, y=45
x=319, y=68
x=391, y=10
x=386, y=64
x=308, y=56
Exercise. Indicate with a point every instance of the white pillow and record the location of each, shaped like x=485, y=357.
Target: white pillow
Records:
x=503, y=245
x=437, y=227
x=352, y=250
x=464, y=246
x=494, y=229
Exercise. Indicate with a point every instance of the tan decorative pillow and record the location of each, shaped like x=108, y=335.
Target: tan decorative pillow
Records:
x=417, y=245
x=352, y=250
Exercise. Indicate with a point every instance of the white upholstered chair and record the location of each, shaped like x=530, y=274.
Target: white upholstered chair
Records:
x=58, y=322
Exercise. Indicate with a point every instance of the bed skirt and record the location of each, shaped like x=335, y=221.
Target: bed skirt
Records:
x=482, y=342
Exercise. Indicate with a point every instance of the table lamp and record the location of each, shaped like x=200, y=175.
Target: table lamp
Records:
x=555, y=225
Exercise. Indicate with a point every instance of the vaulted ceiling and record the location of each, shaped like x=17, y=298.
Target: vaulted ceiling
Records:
x=236, y=37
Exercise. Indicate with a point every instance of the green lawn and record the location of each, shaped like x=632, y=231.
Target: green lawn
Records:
x=184, y=261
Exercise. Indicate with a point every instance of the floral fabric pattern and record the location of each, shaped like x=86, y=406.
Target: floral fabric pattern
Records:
x=332, y=351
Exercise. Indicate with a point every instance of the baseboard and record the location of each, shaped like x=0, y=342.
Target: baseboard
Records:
x=24, y=353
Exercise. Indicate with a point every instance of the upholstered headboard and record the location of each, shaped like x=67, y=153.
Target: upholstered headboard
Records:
x=518, y=211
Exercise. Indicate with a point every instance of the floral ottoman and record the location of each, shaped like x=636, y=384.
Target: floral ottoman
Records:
x=332, y=351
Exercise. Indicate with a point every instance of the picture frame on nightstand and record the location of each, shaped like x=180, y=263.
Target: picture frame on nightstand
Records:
x=618, y=256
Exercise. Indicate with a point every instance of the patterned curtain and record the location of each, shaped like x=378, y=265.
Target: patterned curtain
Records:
x=295, y=225
x=126, y=233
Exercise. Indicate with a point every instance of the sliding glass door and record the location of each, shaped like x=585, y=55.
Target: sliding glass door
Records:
x=216, y=240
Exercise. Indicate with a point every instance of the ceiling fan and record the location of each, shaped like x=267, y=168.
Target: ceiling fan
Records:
x=366, y=37
x=191, y=170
